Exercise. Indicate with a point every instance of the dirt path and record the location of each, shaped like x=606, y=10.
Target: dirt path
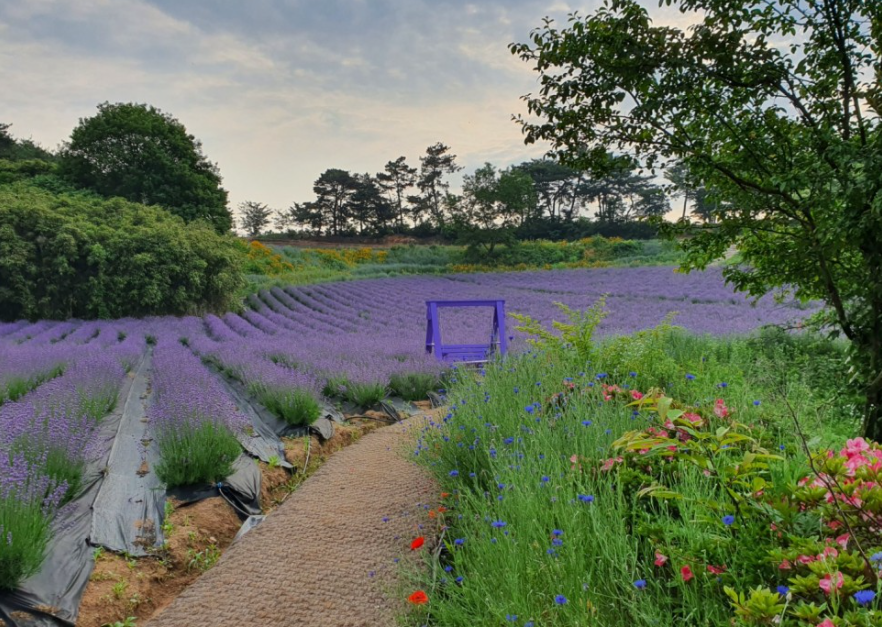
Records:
x=326, y=557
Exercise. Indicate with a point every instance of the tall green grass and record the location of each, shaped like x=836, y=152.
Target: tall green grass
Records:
x=574, y=531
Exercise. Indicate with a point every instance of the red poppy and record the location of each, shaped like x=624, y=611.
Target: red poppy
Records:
x=444, y=495
x=418, y=598
x=716, y=570
x=417, y=543
x=431, y=513
x=442, y=509
x=686, y=573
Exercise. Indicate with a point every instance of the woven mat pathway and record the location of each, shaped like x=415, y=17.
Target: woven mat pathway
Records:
x=325, y=556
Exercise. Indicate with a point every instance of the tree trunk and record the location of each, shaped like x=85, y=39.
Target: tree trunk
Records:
x=872, y=427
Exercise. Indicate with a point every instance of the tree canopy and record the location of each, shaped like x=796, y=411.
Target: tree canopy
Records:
x=773, y=108
x=139, y=153
x=79, y=255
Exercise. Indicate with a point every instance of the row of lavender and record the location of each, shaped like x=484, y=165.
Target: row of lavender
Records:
x=61, y=381
x=54, y=397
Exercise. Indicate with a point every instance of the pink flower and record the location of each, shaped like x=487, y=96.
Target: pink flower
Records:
x=855, y=447
x=785, y=565
x=686, y=573
x=827, y=584
x=716, y=570
x=827, y=623
x=693, y=418
x=660, y=560
x=720, y=409
x=805, y=559
x=574, y=459
x=843, y=540
x=636, y=395
x=609, y=463
x=828, y=552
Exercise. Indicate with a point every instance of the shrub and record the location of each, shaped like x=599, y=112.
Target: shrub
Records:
x=414, y=386
x=28, y=502
x=76, y=255
x=197, y=452
x=295, y=406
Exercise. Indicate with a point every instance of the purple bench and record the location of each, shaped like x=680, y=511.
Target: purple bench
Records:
x=465, y=353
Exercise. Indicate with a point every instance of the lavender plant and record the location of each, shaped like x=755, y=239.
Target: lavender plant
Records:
x=29, y=499
x=193, y=418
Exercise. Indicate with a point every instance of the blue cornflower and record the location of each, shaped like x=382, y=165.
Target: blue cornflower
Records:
x=529, y=623
x=472, y=475
x=556, y=532
x=385, y=519
x=586, y=498
x=632, y=374
x=690, y=377
x=560, y=599
x=781, y=447
x=508, y=440
x=723, y=385
x=783, y=590
x=454, y=473
x=728, y=519
x=586, y=423
x=512, y=618
x=864, y=597
x=551, y=552
x=756, y=403
x=529, y=409
x=601, y=375
x=545, y=479
x=458, y=580
x=640, y=584
x=557, y=542
x=876, y=557
x=459, y=541
x=448, y=568
x=499, y=524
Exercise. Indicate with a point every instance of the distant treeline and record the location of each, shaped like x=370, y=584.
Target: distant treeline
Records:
x=530, y=200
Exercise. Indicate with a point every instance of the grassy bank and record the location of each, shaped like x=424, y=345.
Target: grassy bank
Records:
x=660, y=481
x=267, y=266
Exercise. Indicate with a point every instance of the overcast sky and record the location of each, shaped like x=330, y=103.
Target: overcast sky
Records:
x=280, y=90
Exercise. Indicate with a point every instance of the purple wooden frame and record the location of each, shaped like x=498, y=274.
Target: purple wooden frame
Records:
x=466, y=353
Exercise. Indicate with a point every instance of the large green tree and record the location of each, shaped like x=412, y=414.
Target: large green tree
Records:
x=493, y=203
x=395, y=179
x=139, y=153
x=333, y=190
x=80, y=255
x=435, y=165
x=774, y=107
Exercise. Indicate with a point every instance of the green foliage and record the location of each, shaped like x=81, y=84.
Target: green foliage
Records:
x=31, y=528
x=139, y=153
x=645, y=352
x=414, y=386
x=707, y=476
x=786, y=140
x=203, y=560
x=196, y=453
x=575, y=336
x=64, y=256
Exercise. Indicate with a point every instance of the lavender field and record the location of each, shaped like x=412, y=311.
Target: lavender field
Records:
x=352, y=341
